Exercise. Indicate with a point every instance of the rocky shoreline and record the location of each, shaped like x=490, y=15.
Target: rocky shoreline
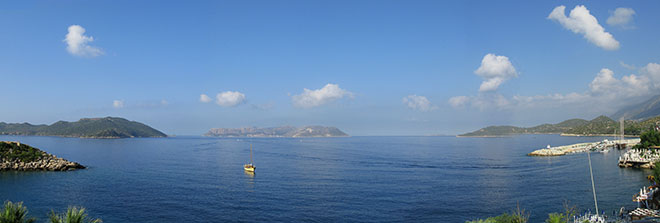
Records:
x=20, y=157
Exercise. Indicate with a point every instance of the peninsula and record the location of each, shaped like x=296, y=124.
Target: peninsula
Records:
x=108, y=127
x=599, y=126
x=284, y=131
x=20, y=157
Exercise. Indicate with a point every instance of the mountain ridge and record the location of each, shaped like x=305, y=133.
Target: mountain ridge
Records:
x=282, y=131
x=107, y=127
x=601, y=125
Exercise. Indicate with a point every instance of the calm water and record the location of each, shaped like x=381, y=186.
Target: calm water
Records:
x=375, y=179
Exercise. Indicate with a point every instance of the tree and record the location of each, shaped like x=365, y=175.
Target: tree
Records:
x=72, y=215
x=15, y=213
x=648, y=139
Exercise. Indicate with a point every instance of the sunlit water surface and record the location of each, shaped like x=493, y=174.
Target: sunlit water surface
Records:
x=355, y=179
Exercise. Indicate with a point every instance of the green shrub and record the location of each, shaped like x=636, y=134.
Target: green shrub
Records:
x=647, y=139
x=72, y=215
x=516, y=216
x=15, y=213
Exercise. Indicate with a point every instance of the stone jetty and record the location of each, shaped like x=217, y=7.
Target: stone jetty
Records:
x=582, y=147
x=15, y=156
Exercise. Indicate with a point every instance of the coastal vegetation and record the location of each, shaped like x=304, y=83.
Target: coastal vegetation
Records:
x=108, y=127
x=17, y=213
x=601, y=125
x=17, y=151
x=283, y=131
x=648, y=139
x=16, y=156
x=521, y=216
x=72, y=215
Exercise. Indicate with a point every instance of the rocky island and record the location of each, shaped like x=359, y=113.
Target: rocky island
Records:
x=108, y=127
x=15, y=156
x=284, y=131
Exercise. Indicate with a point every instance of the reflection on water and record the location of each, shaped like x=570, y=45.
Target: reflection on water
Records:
x=434, y=179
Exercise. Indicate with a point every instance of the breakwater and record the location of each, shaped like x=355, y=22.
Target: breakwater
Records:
x=15, y=156
x=582, y=147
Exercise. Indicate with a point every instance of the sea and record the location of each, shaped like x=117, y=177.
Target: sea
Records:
x=351, y=179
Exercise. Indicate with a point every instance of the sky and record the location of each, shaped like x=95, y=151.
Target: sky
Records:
x=366, y=67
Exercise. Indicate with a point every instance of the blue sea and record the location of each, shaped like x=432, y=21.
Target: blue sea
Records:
x=353, y=179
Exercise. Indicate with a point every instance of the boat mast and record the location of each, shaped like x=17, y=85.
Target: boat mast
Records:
x=593, y=187
x=251, y=162
x=622, y=133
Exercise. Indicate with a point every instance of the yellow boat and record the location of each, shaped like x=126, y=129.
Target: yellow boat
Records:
x=250, y=167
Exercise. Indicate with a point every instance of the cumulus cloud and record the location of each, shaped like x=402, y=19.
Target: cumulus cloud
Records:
x=118, y=103
x=229, y=98
x=205, y=98
x=622, y=17
x=314, y=98
x=652, y=71
x=582, y=22
x=419, y=103
x=78, y=44
x=495, y=70
x=605, y=93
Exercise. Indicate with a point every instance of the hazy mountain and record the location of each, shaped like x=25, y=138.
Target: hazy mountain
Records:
x=601, y=125
x=284, y=131
x=539, y=129
x=647, y=109
x=108, y=127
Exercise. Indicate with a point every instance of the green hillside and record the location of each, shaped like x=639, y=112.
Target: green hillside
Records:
x=108, y=127
x=539, y=129
x=601, y=125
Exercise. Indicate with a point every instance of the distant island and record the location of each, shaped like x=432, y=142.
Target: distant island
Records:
x=284, y=131
x=600, y=126
x=15, y=156
x=108, y=127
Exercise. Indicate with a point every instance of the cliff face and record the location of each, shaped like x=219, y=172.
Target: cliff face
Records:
x=284, y=131
x=20, y=157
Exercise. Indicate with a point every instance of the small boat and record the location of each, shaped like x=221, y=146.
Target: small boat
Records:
x=250, y=166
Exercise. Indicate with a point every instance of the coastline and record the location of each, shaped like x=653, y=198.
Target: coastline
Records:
x=560, y=134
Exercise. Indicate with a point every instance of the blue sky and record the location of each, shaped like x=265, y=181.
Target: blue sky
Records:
x=370, y=67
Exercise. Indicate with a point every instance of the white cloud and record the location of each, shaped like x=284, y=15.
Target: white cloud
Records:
x=582, y=22
x=459, y=101
x=606, y=93
x=205, y=98
x=118, y=103
x=77, y=43
x=621, y=17
x=164, y=102
x=495, y=70
x=229, y=98
x=314, y=98
x=419, y=103
x=627, y=66
x=652, y=71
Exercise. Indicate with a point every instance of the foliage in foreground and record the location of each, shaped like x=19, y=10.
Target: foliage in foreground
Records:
x=72, y=215
x=647, y=139
x=15, y=213
x=516, y=216
x=520, y=216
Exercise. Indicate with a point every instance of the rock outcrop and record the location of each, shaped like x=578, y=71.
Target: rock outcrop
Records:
x=15, y=156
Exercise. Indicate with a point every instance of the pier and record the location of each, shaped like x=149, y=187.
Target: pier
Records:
x=640, y=158
x=583, y=147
